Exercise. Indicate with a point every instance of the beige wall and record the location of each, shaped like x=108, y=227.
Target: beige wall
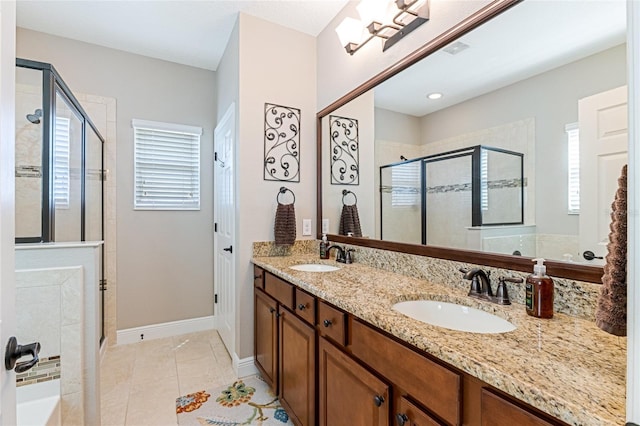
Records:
x=276, y=65
x=164, y=258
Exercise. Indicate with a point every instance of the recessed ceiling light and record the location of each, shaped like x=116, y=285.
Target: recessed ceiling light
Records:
x=434, y=95
x=455, y=48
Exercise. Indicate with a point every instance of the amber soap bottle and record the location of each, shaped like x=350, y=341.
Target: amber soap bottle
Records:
x=539, y=292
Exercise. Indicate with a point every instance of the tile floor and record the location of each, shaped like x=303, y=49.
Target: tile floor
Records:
x=141, y=381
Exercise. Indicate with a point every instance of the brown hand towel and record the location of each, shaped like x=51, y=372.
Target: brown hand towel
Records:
x=611, y=312
x=285, y=224
x=350, y=221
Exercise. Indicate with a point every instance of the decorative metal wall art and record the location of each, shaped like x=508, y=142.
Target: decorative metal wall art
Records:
x=281, y=143
x=345, y=151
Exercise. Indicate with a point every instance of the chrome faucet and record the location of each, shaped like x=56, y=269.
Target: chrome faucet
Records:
x=343, y=255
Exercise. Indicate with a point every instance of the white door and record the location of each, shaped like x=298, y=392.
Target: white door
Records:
x=7, y=203
x=603, y=152
x=224, y=217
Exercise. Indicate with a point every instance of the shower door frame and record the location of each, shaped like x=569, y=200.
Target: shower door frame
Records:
x=53, y=83
x=476, y=208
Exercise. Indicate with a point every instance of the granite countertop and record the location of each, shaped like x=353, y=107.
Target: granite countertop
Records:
x=565, y=366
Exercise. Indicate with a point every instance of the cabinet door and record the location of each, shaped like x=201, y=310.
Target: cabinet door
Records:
x=266, y=338
x=297, y=368
x=497, y=411
x=408, y=414
x=349, y=394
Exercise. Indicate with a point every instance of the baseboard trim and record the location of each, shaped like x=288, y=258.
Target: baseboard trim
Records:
x=244, y=367
x=166, y=329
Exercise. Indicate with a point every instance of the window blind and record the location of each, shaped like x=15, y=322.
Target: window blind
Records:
x=484, y=179
x=573, y=149
x=167, y=166
x=61, y=162
x=405, y=181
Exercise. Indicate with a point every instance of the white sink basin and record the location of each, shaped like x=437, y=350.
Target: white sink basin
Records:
x=453, y=316
x=314, y=267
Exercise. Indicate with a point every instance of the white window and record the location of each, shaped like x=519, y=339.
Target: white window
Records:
x=573, y=144
x=167, y=166
x=61, y=163
x=405, y=181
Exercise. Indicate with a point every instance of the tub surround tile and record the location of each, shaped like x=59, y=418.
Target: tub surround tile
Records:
x=566, y=366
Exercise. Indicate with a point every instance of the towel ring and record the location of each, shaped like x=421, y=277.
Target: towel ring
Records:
x=345, y=193
x=284, y=190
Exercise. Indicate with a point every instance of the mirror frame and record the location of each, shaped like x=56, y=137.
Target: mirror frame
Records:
x=567, y=270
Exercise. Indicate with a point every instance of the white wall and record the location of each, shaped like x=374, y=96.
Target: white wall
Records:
x=164, y=259
x=339, y=73
x=276, y=65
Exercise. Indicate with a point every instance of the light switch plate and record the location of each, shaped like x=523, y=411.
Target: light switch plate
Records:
x=306, y=226
x=325, y=226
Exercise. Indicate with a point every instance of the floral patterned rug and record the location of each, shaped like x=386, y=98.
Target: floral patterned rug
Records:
x=247, y=401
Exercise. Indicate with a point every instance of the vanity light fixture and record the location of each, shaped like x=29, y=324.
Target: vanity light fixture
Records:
x=390, y=21
x=434, y=95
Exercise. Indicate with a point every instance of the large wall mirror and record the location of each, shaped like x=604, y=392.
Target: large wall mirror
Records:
x=518, y=158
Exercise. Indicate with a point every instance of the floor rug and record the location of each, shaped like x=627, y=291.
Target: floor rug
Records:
x=247, y=401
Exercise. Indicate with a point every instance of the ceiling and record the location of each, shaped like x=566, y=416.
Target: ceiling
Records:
x=193, y=33
x=532, y=37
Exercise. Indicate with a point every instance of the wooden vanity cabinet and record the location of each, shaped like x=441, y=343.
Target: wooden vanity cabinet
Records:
x=266, y=337
x=285, y=347
x=349, y=393
x=332, y=369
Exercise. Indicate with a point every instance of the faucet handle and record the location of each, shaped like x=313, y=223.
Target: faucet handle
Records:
x=348, y=257
x=502, y=296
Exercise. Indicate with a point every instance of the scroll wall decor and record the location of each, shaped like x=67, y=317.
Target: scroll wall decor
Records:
x=281, y=143
x=345, y=151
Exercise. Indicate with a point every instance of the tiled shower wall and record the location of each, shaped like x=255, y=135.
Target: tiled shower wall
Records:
x=50, y=311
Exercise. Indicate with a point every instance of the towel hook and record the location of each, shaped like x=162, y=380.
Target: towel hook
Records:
x=283, y=190
x=345, y=193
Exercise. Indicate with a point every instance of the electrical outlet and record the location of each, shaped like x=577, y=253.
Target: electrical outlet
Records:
x=325, y=226
x=306, y=226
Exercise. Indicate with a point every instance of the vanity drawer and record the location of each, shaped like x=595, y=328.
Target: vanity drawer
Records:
x=409, y=414
x=498, y=411
x=279, y=289
x=258, y=277
x=332, y=322
x=431, y=384
x=306, y=306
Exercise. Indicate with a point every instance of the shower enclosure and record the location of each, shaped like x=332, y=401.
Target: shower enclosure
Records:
x=59, y=164
x=435, y=199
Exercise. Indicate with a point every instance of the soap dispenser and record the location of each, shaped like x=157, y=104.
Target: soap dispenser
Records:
x=539, y=292
x=324, y=246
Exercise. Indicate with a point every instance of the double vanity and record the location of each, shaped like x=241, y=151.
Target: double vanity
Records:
x=339, y=345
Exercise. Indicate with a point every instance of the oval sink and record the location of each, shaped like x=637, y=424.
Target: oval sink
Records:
x=454, y=316
x=314, y=267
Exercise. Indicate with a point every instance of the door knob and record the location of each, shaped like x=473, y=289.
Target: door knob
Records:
x=589, y=255
x=14, y=352
x=229, y=249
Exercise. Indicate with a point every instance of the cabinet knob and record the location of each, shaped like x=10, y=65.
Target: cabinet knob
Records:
x=378, y=400
x=301, y=307
x=401, y=418
x=257, y=277
x=326, y=323
x=272, y=310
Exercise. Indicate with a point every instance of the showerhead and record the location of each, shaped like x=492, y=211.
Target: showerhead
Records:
x=35, y=117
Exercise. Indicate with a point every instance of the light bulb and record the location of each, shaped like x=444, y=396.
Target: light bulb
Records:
x=349, y=31
x=373, y=11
